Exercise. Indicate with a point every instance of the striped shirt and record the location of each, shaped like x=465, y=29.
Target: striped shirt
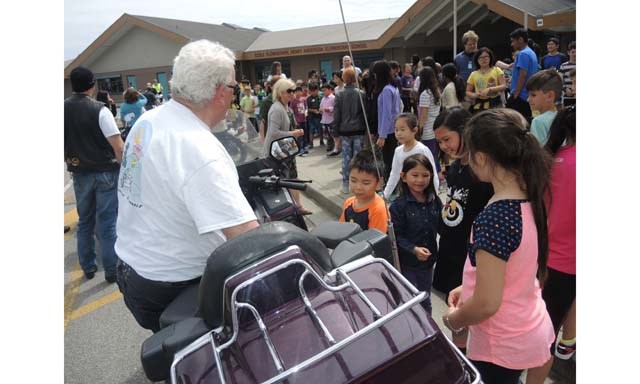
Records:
x=567, y=83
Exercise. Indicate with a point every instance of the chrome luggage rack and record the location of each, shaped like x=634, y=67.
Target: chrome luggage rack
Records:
x=342, y=272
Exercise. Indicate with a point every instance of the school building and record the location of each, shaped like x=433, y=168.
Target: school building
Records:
x=136, y=49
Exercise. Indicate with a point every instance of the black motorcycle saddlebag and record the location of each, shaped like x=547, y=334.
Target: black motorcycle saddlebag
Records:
x=158, y=350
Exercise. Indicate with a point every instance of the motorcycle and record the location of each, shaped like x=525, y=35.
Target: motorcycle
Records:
x=261, y=179
x=281, y=304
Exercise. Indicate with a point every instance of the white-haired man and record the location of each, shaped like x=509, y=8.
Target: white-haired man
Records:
x=178, y=189
x=346, y=63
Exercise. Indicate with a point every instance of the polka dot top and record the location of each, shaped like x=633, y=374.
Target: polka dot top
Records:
x=497, y=229
x=519, y=334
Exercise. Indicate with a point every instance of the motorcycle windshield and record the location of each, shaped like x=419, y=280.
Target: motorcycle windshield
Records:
x=239, y=137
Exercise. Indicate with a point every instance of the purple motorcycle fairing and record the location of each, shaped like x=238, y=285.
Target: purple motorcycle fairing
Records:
x=408, y=348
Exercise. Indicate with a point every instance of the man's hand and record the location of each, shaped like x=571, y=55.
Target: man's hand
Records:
x=118, y=146
x=380, y=142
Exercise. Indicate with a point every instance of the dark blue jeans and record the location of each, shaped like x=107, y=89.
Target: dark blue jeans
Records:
x=313, y=123
x=432, y=144
x=97, y=205
x=421, y=279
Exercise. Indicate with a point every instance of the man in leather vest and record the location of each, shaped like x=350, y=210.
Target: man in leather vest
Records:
x=93, y=150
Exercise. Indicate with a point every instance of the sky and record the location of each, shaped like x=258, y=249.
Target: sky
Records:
x=85, y=20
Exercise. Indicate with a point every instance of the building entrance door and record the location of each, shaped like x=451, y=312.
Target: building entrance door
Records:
x=162, y=79
x=131, y=80
x=326, y=66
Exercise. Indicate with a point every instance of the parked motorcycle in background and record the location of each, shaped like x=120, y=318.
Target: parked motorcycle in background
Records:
x=261, y=179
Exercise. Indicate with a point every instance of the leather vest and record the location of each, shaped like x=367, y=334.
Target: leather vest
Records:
x=85, y=147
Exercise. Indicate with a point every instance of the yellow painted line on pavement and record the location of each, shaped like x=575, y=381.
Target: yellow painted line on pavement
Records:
x=85, y=309
x=70, y=293
x=70, y=219
x=73, y=286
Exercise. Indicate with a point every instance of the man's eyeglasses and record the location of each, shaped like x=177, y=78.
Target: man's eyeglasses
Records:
x=232, y=87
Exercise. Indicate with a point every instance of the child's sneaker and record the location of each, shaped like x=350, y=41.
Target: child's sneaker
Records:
x=565, y=351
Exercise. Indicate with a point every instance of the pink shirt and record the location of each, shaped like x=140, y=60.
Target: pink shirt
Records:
x=562, y=212
x=519, y=335
x=327, y=102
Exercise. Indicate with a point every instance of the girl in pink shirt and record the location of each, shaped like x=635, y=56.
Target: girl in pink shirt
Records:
x=559, y=291
x=499, y=304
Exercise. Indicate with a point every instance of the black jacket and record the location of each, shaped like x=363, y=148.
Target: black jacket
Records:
x=348, y=115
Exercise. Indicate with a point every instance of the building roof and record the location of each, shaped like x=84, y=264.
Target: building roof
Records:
x=325, y=34
x=542, y=7
x=231, y=36
x=424, y=16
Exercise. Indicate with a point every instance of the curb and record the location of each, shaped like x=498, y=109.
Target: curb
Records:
x=323, y=201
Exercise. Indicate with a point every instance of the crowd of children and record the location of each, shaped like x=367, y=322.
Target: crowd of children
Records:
x=506, y=254
x=507, y=209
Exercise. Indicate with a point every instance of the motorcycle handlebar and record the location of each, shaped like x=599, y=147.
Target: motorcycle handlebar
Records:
x=292, y=185
x=275, y=182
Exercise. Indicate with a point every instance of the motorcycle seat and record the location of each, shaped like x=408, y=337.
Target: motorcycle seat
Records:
x=246, y=249
x=332, y=233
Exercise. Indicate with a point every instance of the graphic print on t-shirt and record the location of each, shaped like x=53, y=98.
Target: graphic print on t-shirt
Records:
x=452, y=211
x=131, y=174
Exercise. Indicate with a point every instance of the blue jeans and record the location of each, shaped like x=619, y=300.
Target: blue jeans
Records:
x=313, y=123
x=351, y=145
x=97, y=205
x=432, y=144
x=421, y=279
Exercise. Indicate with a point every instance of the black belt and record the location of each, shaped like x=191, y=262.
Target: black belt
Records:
x=187, y=282
x=169, y=283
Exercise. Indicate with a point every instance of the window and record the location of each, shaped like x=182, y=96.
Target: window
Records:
x=263, y=69
x=112, y=84
x=365, y=59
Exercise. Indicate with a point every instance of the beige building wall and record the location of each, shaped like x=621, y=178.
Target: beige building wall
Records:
x=137, y=48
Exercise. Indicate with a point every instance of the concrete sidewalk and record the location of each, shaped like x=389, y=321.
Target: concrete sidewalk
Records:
x=326, y=178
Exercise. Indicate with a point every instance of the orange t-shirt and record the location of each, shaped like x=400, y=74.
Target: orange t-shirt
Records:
x=373, y=215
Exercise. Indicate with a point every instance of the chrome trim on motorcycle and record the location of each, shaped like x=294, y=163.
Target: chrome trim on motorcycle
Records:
x=376, y=312
x=272, y=349
x=312, y=312
x=380, y=319
x=466, y=362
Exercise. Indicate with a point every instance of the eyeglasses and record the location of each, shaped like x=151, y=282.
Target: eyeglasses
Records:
x=232, y=87
x=483, y=57
x=290, y=90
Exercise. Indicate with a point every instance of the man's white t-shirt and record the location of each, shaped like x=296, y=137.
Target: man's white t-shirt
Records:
x=399, y=156
x=178, y=188
x=107, y=123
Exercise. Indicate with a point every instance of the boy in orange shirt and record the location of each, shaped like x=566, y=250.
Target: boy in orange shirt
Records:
x=366, y=208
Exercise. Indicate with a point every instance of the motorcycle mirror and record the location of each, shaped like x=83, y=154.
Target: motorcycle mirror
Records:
x=284, y=148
